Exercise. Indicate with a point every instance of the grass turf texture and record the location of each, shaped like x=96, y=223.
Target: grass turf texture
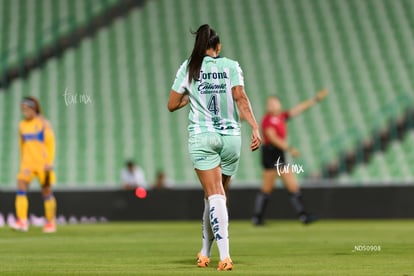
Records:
x=169, y=248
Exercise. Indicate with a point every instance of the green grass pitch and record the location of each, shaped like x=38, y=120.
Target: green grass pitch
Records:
x=331, y=247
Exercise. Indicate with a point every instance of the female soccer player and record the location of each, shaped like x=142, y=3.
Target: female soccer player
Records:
x=273, y=157
x=37, y=151
x=214, y=87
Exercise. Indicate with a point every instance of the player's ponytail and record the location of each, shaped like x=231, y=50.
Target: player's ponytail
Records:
x=33, y=103
x=206, y=38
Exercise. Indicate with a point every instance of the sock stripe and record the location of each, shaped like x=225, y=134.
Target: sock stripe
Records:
x=21, y=192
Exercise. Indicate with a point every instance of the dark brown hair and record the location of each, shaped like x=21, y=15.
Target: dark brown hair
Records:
x=33, y=103
x=206, y=38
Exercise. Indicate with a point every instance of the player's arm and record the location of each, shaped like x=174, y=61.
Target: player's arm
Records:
x=50, y=146
x=179, y=90
x=21, y=145
x=177, y=100
x=307, y=104
x=246, y=112
x=276, y=141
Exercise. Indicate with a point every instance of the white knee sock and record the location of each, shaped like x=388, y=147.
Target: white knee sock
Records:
x=208, y=237
x=219, y=221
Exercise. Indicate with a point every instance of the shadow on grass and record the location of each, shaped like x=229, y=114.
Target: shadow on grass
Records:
x=185, y=262
x=193, y=262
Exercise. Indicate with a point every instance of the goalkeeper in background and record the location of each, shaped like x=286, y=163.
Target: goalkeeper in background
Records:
x=37, y=151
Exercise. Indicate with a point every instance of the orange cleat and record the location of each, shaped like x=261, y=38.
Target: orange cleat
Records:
x=226, y=264
x=50, y=227
x=20, y=225
x=202, y=261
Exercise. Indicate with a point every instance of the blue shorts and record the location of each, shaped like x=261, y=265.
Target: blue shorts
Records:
x=210, y=150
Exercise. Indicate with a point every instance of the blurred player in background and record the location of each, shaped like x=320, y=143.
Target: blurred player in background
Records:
x=37, y=152
x=214, y=86
x=161, y=181
x=273, y=154
x=132, y=176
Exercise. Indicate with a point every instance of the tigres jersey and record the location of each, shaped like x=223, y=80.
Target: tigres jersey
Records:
x=37, y=143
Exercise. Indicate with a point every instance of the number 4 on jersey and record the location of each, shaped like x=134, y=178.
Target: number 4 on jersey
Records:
x=212, y=105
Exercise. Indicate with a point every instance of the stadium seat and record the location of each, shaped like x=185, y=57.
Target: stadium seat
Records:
x=359, y=50
x=395, y=164
x=27, y=26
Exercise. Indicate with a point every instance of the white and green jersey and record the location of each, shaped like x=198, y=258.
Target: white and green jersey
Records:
x=212, y=106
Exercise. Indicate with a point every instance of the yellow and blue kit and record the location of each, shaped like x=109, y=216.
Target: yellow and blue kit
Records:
x=37, y=149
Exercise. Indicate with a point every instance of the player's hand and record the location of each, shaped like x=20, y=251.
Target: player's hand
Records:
x=294, y=152
x=184, y=100
x=256, y=139
x=48, y=168
x=321, y=94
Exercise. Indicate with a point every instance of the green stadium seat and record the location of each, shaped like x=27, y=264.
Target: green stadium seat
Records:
x=26, y=25
x=359, y=50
